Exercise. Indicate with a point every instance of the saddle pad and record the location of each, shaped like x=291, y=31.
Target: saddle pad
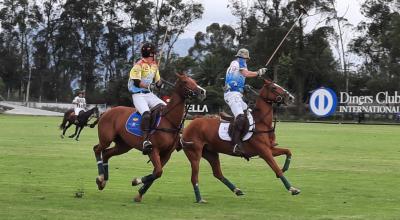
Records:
x=133, y=124
x=224, y=126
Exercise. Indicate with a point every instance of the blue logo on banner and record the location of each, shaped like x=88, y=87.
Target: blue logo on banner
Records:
x=323, y=102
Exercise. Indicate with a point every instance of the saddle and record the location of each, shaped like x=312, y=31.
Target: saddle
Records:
x=155, y=114
x=240, y=127
x=226, y=117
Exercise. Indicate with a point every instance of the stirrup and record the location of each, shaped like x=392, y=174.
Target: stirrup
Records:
x=147, y=147
x=237, y=149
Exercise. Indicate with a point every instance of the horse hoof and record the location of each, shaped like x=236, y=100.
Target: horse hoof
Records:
x=202, y=201
x=136, y=181
x=138, y=198
x=101, y=184
x=77, y=139
x=294, y=191
x=238, y=192
x=62, y=136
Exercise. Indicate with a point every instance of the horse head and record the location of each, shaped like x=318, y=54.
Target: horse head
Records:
x=188, y=88
x=273, y=93
x=96, y=111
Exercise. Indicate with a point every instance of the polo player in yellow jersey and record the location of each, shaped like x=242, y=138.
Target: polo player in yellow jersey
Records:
x=142, y=77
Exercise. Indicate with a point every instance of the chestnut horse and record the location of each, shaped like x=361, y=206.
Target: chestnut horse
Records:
x=200, y=139
x=111, y=128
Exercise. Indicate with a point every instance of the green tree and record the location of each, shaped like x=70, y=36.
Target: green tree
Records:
x=379, y=46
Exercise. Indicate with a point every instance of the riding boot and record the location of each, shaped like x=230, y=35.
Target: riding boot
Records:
x=76, y=120
x=237, y=149
x=147, y=145
x=237, y=133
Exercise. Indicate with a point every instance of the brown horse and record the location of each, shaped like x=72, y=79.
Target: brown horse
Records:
x=200, y=139
x=111, y=128
x=83, y=118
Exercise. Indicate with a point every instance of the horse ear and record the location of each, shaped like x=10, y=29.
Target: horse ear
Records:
x=180, y=75
x=267, y=81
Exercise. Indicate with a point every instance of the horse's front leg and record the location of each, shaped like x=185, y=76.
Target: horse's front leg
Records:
x=138, y=198
x=79, y=132
x=149, y=179
x=276, y=151
x=266, y=154
x=76, y=131
x=94, y=123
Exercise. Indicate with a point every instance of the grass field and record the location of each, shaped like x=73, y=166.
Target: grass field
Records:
x=344, y=172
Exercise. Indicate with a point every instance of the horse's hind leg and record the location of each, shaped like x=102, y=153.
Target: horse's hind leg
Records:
x=98, y=149
x=213, y=159
x=76, y=131
x=120, y=148
x=276, y=151
x=66, y=128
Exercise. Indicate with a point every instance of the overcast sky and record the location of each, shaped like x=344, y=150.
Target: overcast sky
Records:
x=217, y=11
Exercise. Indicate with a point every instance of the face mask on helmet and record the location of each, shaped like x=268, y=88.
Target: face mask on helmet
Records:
x=148, y=50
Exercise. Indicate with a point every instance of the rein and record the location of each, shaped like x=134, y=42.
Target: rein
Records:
x=178, y=128
x=88, y=115
x=255, y=131
x=271, y=102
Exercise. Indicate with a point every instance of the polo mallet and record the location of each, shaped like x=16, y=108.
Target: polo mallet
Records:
x=302, y=12
x=165, y=35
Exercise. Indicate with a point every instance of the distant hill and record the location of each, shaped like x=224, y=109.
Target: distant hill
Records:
x=182, y=46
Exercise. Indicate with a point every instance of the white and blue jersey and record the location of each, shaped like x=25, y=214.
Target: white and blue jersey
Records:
x=234, y=80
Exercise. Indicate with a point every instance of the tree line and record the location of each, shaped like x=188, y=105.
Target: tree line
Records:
x=56, y=42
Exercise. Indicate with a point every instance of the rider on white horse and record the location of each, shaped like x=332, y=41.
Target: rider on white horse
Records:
x=236, y=75
x=79, y=104
x=143, y=76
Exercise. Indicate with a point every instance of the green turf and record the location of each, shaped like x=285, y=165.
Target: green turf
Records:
x=344, y=172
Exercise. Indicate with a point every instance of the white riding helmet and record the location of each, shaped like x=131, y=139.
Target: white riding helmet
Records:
x=243, y=53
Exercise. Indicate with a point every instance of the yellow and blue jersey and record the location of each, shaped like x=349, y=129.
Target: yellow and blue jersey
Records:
x=146, y=72
x=234, y=81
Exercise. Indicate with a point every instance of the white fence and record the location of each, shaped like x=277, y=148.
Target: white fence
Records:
x=59, y=107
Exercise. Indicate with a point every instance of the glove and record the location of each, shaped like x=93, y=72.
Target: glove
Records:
x=152, y=86
x=261, y=72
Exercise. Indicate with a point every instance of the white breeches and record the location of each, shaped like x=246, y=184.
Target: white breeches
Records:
x=144, y=102
x=77, y=110
x=235, y=102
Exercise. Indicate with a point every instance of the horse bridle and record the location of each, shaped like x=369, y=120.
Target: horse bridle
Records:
x=188, y=93
x=279, y=97
x=279, y=100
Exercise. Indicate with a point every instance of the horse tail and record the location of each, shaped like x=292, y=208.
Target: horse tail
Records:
x=65, y=119
x=64, y=122
x=182, y=143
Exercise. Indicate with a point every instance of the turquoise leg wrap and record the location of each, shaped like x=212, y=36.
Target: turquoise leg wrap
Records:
x=228, y=184
x=197, y=192
x=100, y=167
x=287, y=163
x=285, y=182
